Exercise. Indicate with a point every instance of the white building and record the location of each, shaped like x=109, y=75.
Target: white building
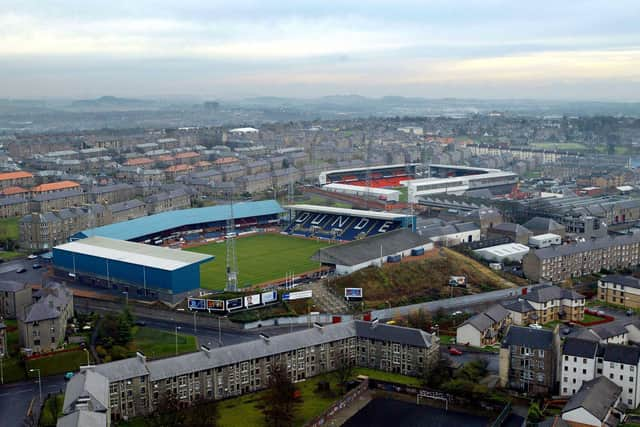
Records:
x=545, y=240
x=361, y=191
x=584, y=360
x=513, y=252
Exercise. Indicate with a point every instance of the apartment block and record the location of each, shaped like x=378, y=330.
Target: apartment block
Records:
x=137, y=386
x=621, y=290
x=584, y=360
x=16, y=179
x=527, y=360
x=557, y=263
x=545, y=304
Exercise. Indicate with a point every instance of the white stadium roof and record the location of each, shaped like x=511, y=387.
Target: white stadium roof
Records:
x=134, y=253
x=386, y=216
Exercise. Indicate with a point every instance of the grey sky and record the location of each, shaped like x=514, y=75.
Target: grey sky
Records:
x=463, y=48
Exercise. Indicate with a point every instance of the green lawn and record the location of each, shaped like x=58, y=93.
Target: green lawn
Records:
x=261, y=258
x=388, y=376
x=447, y=339
x=58, y=363
x=590, y=318
x=9, y=228
x=155, y=343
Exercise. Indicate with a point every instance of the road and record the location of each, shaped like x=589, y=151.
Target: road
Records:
x=15, y=398
x=451, y=303
x=8, y=270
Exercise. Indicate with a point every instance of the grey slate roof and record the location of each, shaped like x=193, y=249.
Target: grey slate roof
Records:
x=123, y=369
x=609, y=330
x=496, y=312
x=480, y=321
x=83, y=419
x=579, y=347
x=627, y=354
x=12, y=200
x=622, y=280
x=360, y=251
x=528, y=337
x=519, y=306
x=510, y=227
x=123, y=206
x=50, y=306
x=601, y=243
x=223, y=356
x=89, y=386
x=597, y=397
x=549, y=293
x=543, y=225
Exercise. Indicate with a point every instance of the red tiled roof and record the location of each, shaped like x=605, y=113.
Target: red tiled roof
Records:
x=53, y=186
x=15, y=175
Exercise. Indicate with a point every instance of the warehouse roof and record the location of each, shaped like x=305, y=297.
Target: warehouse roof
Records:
x=359, y=251
x=134, y=253
x=144, y=226
x=350, y=212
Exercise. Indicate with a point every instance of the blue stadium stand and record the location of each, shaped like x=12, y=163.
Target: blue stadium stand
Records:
x=343, y=224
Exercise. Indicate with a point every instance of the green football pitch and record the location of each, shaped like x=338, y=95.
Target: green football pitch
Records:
x=261, y=258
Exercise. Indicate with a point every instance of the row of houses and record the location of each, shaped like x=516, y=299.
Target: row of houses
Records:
x=137, y=386
x=42, y=231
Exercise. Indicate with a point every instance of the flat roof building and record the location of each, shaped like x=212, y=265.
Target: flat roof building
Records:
x=151, y=271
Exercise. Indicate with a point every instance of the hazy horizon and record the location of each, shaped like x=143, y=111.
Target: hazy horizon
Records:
x=570, y=51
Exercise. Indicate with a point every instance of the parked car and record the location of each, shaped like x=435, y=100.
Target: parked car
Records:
x=21, y=270
x=68, y=376
x=140, y=323
x=629, y=312
x=32, y=256
x=36, y=266
x=454, y=351
x=535, y=326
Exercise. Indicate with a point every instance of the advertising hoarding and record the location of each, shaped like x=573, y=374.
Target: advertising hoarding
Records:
x=270, y=296
x=234, y=304
x=197, y=304
x=251, y=300
x=297, y=295
x=353, y=293
x=215, y=304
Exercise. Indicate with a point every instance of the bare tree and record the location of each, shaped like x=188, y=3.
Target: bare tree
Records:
x=280, y=399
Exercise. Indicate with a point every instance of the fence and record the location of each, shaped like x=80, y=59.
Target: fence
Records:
x=345, y=401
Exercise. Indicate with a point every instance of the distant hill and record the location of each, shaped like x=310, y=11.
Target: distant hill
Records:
x=112, y=103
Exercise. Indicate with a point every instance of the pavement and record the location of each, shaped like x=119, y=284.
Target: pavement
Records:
x=16, y=397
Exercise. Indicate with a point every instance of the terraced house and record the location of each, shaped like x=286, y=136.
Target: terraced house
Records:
x=621, y=290
x=138, y=387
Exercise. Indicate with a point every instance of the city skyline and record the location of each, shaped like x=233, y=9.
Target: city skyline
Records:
x=491, y=49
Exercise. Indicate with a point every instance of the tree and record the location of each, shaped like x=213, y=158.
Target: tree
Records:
x=168, y=413
x=280, y=399
x=419, y=319
x=534, y=415
x=440, y=374
x=204, y=413
x=344, y=372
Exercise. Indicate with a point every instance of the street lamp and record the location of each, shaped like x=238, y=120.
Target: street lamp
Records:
x=1, y=369
x=88, y=360
x=177, y=329
x=39, y=382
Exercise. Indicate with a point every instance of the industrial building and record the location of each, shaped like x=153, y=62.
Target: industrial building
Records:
x=207, y=222
x=138, y=269
x=512, y=252
x=359, y=254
